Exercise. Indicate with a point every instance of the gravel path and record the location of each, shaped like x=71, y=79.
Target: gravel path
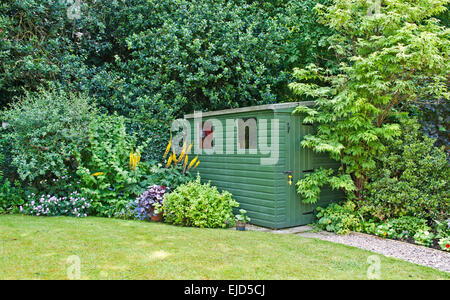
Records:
x=406, y=251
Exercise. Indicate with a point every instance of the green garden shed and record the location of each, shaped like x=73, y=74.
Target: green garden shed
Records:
x=255, y=153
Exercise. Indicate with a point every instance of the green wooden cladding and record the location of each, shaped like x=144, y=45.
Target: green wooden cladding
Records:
x=264, y=190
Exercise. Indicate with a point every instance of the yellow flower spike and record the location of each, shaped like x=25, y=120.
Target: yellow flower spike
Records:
x=169, y=161
x=193, y=162
x=196, y=165
x=135, y=158
x=168, y=147
x=98, y=174
x=183, y=152
x=174, y=158
x=131, y=158
x=185, y=162
x=189, y=149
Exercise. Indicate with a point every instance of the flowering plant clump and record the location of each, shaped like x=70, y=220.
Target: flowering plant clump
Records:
x=444, y=243
x=48, y=205
x=149, y=203
x=424, y=237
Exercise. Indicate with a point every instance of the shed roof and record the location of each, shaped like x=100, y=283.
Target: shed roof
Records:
x=274, y=107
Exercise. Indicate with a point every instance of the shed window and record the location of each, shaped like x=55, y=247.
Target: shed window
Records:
x=206, y=135
x=247, y=133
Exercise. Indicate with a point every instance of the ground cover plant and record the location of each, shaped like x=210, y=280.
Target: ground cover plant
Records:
x=344, y=218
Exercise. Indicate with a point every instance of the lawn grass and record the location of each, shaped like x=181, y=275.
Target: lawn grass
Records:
x=38, y=248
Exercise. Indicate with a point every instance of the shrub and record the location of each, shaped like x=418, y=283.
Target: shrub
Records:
x=411, y=179
x=152, y=199
x=443, y=228
x=340, y=219
x=38, y=44
x=199, y=205
x=46, y=130
x=107, y=177
x=385, y=230
x=11, y=195
x=434, y=116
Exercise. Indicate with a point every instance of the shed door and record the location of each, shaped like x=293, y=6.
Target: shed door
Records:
x=300, y=162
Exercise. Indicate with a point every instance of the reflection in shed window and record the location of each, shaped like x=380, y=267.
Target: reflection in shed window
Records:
x=247, y=138
x=206, y=135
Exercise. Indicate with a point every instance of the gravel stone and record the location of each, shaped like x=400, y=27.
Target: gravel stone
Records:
x=397, y=249
x=413, y=253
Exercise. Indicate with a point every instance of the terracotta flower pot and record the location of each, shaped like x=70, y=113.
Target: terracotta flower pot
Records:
x=156, y=218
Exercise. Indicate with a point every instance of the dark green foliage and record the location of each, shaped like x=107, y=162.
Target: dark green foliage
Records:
x=186, y=55
x=434, y=116
x=8, y=170
x=170, y=177
x=38, y=44
x=309, y=38
x=153, y=61
x=411, y=179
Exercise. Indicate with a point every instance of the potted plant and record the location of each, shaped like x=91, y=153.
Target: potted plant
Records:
x=241, y=220
x=156, y=213
x=149, y=204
